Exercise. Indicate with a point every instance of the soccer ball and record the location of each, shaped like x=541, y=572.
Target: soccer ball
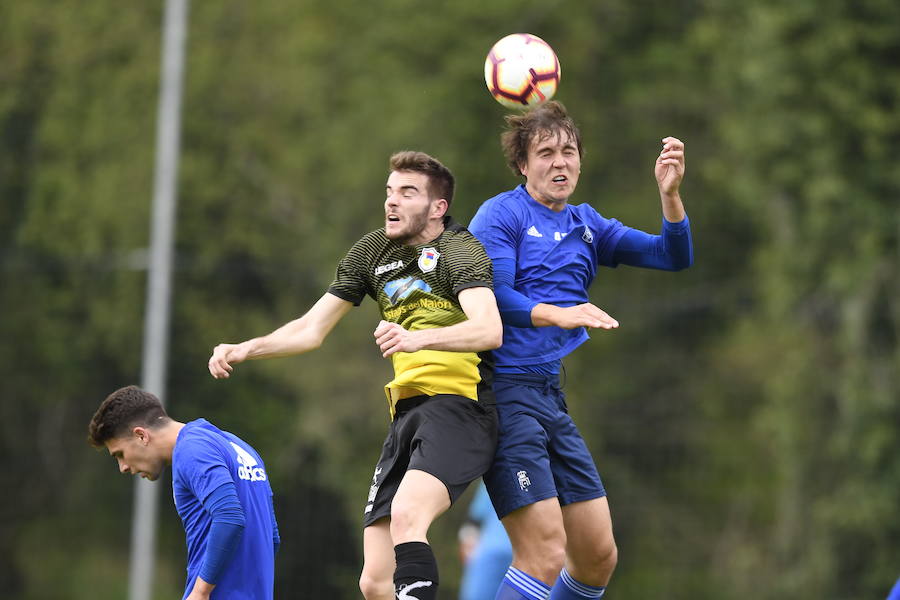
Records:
x=521, y=70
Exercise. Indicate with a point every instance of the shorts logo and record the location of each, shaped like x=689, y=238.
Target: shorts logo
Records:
x=248, y=471
x=524, y=482
x=398, y=289
x=428, y=259
x=373, y=490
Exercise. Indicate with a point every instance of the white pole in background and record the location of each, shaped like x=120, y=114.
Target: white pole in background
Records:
x=159, y=282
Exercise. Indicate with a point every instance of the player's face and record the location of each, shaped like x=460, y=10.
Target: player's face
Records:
x=407, y=206
x=136, y=457
x=552, y=168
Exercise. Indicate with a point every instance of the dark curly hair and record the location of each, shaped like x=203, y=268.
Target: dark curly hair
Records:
x=541, y=122
x=122, y=410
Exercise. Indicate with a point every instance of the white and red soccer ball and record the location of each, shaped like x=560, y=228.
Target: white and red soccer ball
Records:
x=521, y=70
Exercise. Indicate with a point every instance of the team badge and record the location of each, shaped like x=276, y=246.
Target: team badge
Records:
x=587, y=236
x=428, y=259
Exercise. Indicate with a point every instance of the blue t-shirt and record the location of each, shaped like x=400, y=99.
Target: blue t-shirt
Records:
x=205, y=458
x=556, y=256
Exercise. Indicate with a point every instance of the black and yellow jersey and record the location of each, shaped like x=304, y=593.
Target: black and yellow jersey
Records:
x=417, y=287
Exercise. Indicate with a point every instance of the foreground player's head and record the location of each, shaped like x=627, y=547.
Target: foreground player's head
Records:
x=130, y=424
x=419, y=191
x=544, y=145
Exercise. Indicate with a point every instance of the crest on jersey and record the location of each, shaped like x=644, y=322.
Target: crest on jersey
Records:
x=587, y=236
x=428, y=259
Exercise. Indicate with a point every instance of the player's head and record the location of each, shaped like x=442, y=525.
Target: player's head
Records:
x=544, y=145
x=126, y=424
x=419, y=191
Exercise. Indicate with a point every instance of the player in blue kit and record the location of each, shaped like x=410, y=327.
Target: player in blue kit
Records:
x=485, y=549
x=895, y=592
x=543, y=483
x=220, y=487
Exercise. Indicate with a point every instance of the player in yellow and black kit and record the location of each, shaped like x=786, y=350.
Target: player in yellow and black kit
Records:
x=433, y=284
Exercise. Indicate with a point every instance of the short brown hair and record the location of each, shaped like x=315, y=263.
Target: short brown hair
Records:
x=122, y=410
x=541, y=122
x=440, y=180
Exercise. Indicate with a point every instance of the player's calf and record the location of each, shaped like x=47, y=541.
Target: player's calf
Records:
x=416, y=577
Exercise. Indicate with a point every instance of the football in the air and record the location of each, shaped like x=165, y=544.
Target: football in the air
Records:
x=521, y=70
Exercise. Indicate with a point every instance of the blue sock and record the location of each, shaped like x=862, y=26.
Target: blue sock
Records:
x=567, y=588
x=518, y=585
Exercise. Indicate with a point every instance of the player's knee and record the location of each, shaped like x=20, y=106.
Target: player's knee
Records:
x=555, y=556
x=376, y=587
x=608, y=556
x=547, y=566
x=406, y=522
x=543, y=556
x=598, y=561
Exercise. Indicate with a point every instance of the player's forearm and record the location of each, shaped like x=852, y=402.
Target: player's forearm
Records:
x=580, y=315
x=672, y=207
x=225, y=532
x=672, y=250
x=201, y=590
x=468, y=336
x=546, y=315
x=303, y=334
x=295, y=337
x=515, y=307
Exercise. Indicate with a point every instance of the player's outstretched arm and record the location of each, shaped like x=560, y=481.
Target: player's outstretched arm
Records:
x=296, y=337
x=669, y=171
x=570, y=317
x=482, y=330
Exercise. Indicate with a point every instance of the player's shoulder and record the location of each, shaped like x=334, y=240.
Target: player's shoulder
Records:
x=512, y=200
x=193, y=431
x=199, y=436
x=459, y=248
x=457, y=235
x=584, y=208
x=588, y=213
x=454, y=230
x=505, y=206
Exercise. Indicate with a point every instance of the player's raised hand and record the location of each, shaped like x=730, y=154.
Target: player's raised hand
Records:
x=223, y=357
x=392, y=337
x=669, y=167
x=580, y=315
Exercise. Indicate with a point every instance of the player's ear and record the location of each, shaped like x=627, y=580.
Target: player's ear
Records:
x=141, y=435
x=439, y=208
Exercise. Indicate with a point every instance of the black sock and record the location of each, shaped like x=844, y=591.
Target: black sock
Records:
x=416, y=577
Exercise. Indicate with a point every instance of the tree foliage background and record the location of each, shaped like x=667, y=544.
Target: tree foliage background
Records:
x=744, y=416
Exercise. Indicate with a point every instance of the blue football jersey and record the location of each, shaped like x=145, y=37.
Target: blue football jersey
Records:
x=556, y=256
x=205, y=457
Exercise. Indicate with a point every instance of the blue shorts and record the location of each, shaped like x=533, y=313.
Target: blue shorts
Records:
x=540, y=453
